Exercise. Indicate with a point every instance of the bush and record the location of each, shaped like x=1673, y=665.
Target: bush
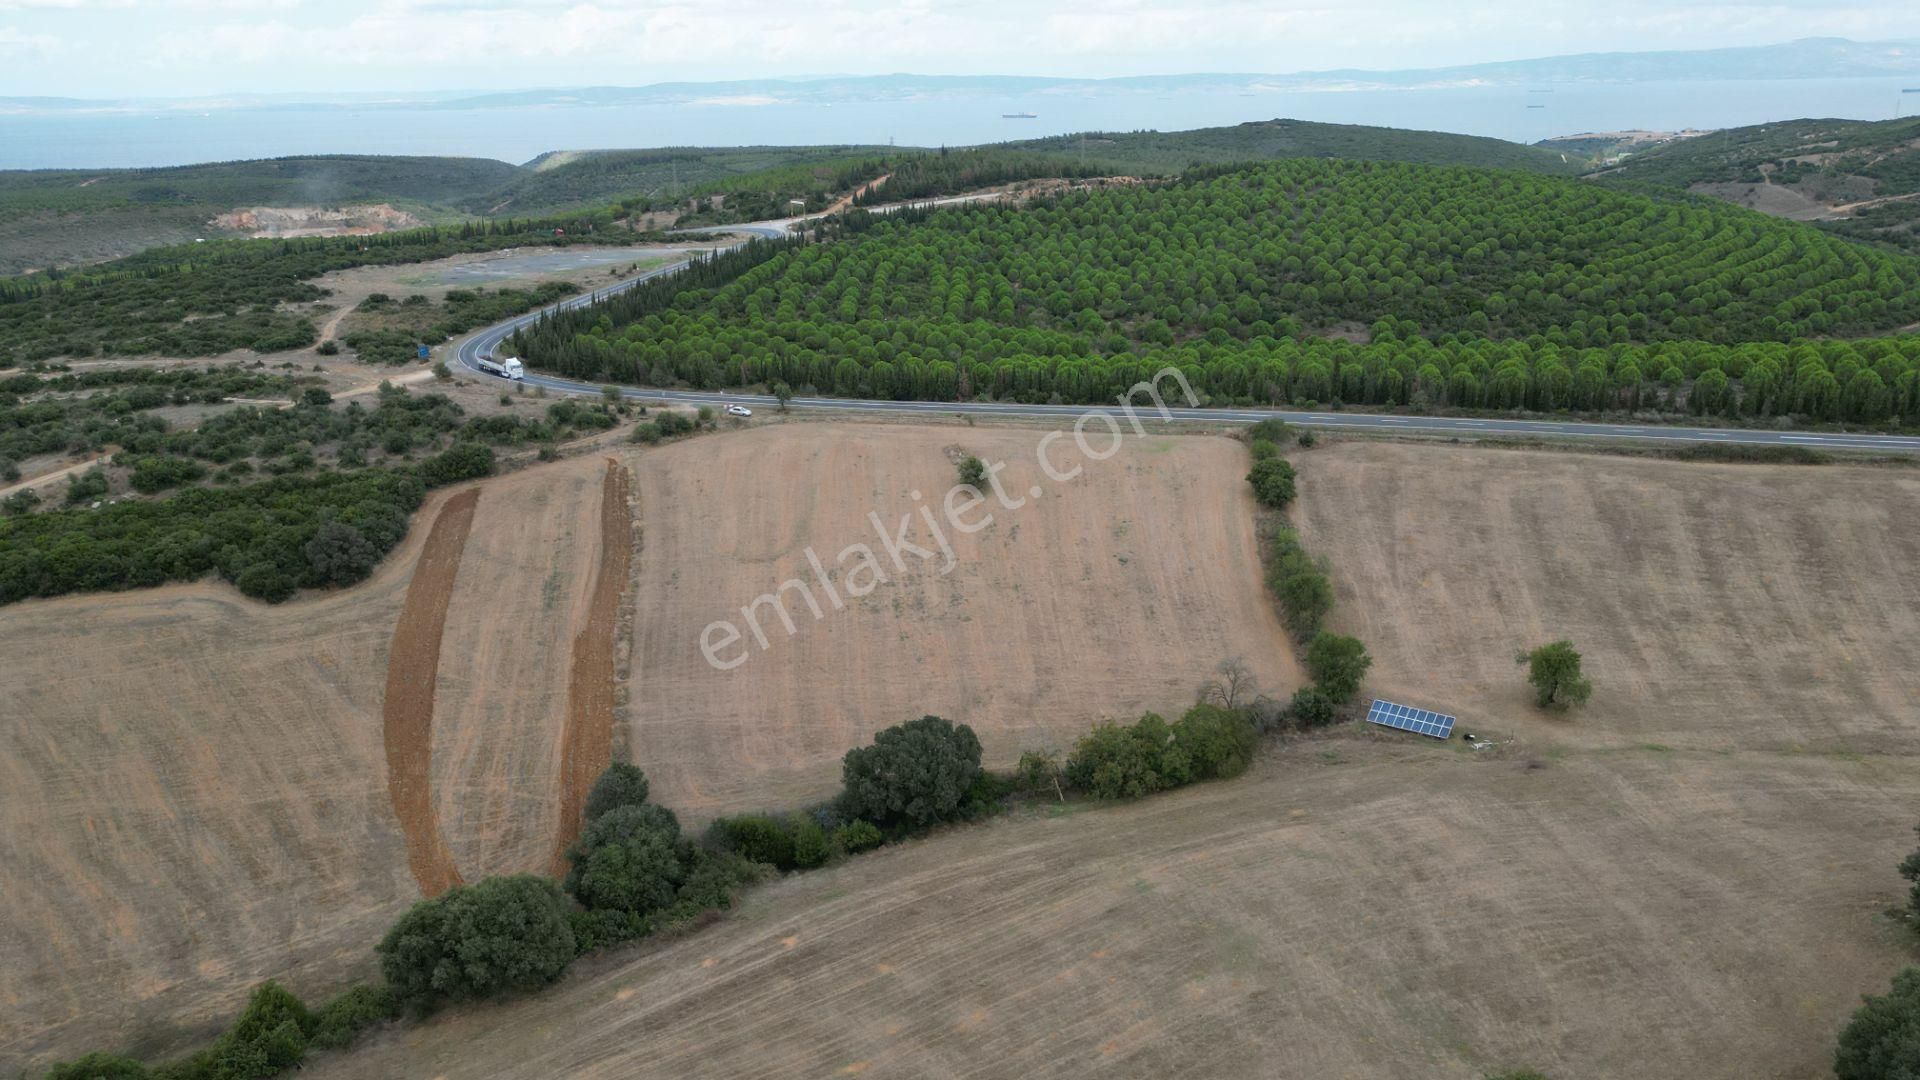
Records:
x=605, y=927
x=1338, y=663
x=270, y=1035
x=329, y=348
x=86, y=486
x=973, y=472
x=629, y=859
x=1312, y=708
x=756, y=837
x=1273, y=430
x=337, y=1023
x=1882, y=1041
x=1038, y=771
x=857, y=836
x=914, y=775
x=1272, y=480
x=265, y=581
x=1127, y=761
x=1300, y=583
x=98, y=1066
x=1263, y=449
x=810, y=847
x=1217, y=742
x=464, y=461
x=494, y=937
x=621, y=785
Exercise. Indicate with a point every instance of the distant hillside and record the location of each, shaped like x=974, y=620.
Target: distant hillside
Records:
x=1264, y=140
x=1857, y=178
x=64, y=217
x=73, y=217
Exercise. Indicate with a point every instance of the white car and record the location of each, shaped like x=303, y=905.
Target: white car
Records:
x=739, y=410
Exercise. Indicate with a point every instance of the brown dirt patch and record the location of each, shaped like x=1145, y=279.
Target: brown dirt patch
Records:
x=590, y=685
x=1719, y=607
x=1111, y=594
x=413, y=663
x=1404, y=913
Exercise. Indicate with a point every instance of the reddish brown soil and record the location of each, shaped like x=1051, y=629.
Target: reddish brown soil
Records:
x=413, y=663
x=590, y=690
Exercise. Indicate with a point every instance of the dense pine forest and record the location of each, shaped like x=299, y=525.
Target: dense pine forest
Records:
x=1299, y=281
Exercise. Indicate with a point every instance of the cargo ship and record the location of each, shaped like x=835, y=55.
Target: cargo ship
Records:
x=1019, y=116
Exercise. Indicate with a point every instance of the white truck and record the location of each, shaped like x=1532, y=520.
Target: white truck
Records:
x=510, y=368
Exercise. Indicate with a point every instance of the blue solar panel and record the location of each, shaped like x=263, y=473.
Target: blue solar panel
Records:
x=1406, y=718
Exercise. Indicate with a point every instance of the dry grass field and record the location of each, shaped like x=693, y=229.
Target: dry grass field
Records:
x=1109, y=594
x=1719, y=607
x=1352, y=910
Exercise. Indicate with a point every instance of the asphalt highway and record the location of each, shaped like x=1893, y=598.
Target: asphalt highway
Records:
x=486, y=341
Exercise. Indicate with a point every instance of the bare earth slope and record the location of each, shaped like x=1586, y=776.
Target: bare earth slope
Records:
x=1111, y=593
x=1717, y=606
x=1404, y=913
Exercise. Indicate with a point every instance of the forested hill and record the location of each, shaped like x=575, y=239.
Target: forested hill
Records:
x=1157, y=152
x=1482, y=288
x=1857, y=178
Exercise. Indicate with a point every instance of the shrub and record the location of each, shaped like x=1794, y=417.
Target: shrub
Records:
x=20, y=502
x=913, y=775
x=1272, y=430
x=1263, y=449
x=1312, y=708
x=1272, y=480
x=1217, y=742
x=1554, y=671
x=329, y=348
x=265, y=581
x=602, y=927
x=809, y=842
x=857, y=836
x=1116, y=761
x=756, y=837
x=496, y=936
x=1308, y=439
x=341, y=1020
x=629, y=859
x=1338, y=663
x=622, y=784
x=86, y=486
x=1300, y=583
x=98, y=1066
x=973, y=472
x=1038, y=771
x=270, y=1035
x=1882, y=1041
x=464, y=461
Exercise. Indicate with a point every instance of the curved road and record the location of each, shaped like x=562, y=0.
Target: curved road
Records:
x=485, y=341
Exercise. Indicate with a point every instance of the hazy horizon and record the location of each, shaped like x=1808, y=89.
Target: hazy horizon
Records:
x=200, y=48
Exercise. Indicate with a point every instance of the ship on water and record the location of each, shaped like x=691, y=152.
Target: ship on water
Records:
x=1019, y=116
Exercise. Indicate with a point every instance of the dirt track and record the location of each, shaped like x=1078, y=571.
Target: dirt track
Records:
x=413, y=664
x=590, y=689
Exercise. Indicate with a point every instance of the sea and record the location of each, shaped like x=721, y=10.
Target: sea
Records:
x=517, y=134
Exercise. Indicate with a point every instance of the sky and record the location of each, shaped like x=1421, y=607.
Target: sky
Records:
x=187, y=48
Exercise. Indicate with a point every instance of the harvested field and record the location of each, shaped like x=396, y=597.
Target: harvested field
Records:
x=198, y=792
x=1110, y=594
x=413, y=664
x=1351, y=909
x=1718, y=607
x=193, y=798
x=523, y=592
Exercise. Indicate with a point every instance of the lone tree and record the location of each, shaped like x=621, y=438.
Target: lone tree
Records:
x=1554, y=671
x=915, y=774
x=1338, y=664
x=1234, y=688
x=1882, y=1041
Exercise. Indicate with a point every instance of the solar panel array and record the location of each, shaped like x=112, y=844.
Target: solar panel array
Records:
x=1406, y=718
